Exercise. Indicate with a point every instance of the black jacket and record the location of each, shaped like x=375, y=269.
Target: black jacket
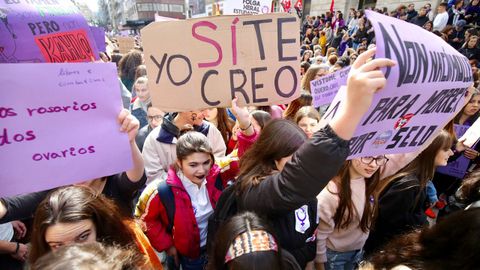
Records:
x=473, y=53
x=117, y=187
x=280, y=195
x=420, y=20
x=401, y=208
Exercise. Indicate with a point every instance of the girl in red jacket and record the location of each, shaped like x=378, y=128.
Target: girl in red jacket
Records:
x=193, y=183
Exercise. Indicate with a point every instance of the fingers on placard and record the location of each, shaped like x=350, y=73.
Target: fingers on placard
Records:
x=363, y=57
x=376, y=64
x=122, y=115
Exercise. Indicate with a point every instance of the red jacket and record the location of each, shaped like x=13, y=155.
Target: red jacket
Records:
x=186, y=236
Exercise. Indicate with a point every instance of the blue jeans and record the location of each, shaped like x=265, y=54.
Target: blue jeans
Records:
x=189, y=264
x=348, y=260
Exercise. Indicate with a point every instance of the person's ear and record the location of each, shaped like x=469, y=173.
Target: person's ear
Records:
x=277, y=162
x=179, y=164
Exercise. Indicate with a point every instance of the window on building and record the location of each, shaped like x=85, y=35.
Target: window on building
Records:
x=176, y=8
x=161, y=7
x=145, y=7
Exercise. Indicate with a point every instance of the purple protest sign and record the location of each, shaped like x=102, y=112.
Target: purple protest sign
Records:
x=458, y=167
x=325, y=88
x=424, y=90
x=44, y=31
x=99, y=37
x=58, y=125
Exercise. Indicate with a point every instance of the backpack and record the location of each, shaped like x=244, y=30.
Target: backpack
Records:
x=227, y=206
x=166, y=196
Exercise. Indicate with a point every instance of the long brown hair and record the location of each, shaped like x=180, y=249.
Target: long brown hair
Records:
x=472, y=118
x=280, y=138
x=346, y=212
x=423, y=166
x=128, y=64
x=76, y=203
x=310, y=75
x=305, y=99
x=224, y=124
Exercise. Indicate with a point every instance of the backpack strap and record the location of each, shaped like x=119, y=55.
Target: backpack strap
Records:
x=166, y=196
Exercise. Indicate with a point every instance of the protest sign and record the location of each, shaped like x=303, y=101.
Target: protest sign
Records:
x=472, y=135
x=251, y=7
x=99, y=37
x=325, y=88
x=125, y=44
x=58, y=125
x=458, y=167
x=44, y=31
x=252, y=57
x=424, y=90
x=159, y=18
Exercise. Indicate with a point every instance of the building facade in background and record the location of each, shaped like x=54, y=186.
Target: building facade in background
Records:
x=318, y=7
x=134, y=14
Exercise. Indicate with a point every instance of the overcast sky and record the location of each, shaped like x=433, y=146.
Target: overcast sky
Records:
x=92, y=5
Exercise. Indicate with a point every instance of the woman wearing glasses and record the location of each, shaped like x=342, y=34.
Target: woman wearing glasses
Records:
x=155, y=119
x=346, y=207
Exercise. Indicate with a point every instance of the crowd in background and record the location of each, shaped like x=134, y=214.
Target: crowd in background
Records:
x=265, y=187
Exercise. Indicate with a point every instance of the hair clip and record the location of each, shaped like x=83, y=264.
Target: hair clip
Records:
x=251, y=241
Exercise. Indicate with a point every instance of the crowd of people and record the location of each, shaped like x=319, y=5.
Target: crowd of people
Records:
x=335, y=40
x=266, y=187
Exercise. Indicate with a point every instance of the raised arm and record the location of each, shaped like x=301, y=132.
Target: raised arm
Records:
x=129, y=124
x=319, y=159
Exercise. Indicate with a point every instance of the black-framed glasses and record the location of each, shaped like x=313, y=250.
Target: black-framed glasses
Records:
x=380, y=161
x=155, y=117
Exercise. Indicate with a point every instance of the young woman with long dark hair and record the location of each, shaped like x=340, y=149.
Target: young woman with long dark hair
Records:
x=402, y=198
x=77, y=214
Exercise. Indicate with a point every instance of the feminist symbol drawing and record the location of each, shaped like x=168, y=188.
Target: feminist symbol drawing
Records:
x=302, y=221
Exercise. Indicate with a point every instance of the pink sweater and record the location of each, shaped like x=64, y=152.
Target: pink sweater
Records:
x=352, y=237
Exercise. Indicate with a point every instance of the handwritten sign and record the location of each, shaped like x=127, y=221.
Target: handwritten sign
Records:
x=457, y=168
x=59, y=130
x=325, y=88
x=44, y=31
x=252, y=57
x=424, y=90
x=250, y=7
x=125, y=44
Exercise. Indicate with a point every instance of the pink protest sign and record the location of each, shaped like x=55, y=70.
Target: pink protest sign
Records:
x=44, y=31
x=325, y=88
x=423, y=92
x=58, y=125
